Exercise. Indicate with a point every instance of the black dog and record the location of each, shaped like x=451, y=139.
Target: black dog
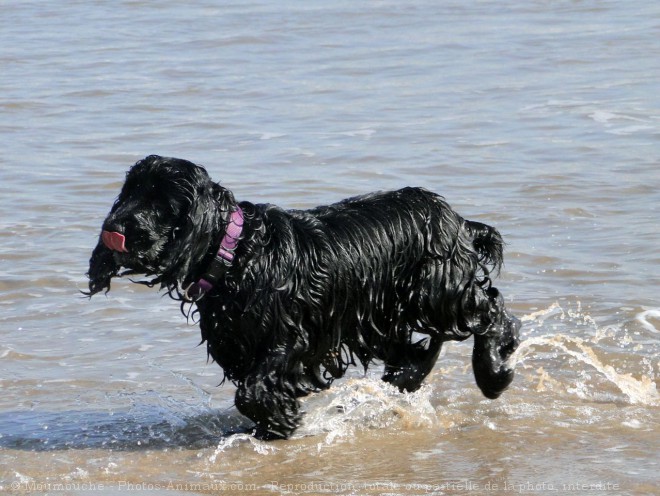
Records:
x=288, y=300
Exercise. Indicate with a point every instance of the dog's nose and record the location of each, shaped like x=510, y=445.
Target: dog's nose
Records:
x=114, y=241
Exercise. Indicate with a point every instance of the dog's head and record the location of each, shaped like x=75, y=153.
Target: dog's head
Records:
x=162, y=224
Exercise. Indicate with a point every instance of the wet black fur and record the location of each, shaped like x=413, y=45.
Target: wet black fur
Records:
x=385, y=276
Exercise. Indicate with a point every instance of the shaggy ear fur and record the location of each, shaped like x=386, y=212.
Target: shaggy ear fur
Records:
x=102, y=268
x=488, y=242
x=200, y=226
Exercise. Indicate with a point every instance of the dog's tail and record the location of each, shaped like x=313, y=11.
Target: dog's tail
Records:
x=488, y=243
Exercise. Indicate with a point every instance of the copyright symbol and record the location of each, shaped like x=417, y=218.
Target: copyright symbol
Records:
x=15, y=486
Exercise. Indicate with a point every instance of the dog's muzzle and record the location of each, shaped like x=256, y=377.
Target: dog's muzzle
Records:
x=114, y=241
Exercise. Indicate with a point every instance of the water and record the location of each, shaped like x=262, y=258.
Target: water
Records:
x=542, y=118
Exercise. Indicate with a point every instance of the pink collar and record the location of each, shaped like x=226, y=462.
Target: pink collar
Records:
x=232, y=234
x=222, y=260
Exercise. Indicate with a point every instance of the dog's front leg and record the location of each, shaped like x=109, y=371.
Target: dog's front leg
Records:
x=408, y=364
x=268, y=398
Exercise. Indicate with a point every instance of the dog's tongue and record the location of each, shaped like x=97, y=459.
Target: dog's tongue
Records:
x=114, y=240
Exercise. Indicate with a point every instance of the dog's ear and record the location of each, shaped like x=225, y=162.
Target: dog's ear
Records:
x=196, y=230
x=223, y=198
x=102, y=268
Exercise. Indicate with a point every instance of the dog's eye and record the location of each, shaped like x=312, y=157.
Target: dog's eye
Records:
x=174, y=231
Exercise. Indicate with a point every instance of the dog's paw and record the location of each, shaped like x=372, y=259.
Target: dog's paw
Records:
x=510, y=338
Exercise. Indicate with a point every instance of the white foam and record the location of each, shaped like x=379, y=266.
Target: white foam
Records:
x=270, y=136
x=643, y=317
x=260, y=447
x=365, y=133
x=628, y=130
x=23, y=479
x=604, y=117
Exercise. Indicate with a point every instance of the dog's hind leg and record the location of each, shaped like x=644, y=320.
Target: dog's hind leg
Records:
x=408, y=364
x=493, y=348
x=311, y=380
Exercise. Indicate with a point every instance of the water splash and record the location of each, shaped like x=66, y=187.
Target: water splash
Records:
x=642, y=391
x=366, y=403
x=637, y=390
x=541, y=315
x=235, y=440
